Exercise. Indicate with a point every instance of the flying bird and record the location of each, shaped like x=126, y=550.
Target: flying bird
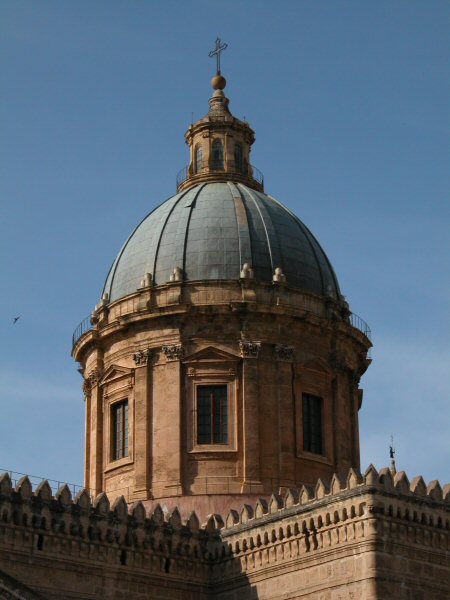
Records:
x=16, y=319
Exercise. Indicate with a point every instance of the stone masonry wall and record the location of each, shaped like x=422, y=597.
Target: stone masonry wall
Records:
x=361, y=538
x=375, y=537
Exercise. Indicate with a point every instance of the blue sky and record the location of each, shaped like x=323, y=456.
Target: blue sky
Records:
x=349, y=101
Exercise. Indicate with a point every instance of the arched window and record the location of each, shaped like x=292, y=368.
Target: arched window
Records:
x=238, y=157
x=217, y=155
x=198, y=158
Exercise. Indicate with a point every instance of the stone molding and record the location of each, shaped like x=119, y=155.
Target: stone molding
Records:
x=173, y=352
x=141, y=358
x=249, y=349
x=284, y=353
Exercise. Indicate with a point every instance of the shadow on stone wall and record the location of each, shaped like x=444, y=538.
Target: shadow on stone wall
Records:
x=70, y=548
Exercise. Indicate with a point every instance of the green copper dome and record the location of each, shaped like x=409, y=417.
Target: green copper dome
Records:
x=209, y=231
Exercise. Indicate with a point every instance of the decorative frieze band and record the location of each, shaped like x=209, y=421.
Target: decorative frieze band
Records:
x=249, y=349
x=142, y=357
x=284, y=353
x=173, y=352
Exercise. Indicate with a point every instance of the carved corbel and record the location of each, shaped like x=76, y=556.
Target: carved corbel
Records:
x=249, y=349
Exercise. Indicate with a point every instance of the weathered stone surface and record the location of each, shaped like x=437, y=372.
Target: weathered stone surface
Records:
x=365, y=541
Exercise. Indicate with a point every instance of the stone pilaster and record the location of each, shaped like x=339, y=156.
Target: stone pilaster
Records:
x=94, y=420
x=250, y=426
x=142, y=423
x=166, y=441
x=87, y=435
x=286, y=414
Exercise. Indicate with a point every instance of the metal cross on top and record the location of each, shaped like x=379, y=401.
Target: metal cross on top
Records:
x=216, y=52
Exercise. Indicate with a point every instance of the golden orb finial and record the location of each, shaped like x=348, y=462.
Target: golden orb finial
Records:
x=218, y=82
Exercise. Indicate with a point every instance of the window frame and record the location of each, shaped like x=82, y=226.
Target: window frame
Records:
x=124, y=442
x=230, y=445
x=238, y=158
x=117, y=385
x=198, y=164
x=317, y=383
x=217, y=165
x=212, y=415
x=210, y=368
x=307, y=428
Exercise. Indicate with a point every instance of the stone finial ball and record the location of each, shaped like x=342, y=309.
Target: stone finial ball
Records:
x=218, y=82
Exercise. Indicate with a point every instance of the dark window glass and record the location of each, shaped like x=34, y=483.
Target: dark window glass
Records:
x=198, y=159
x=212, y=414
x=238, y=157
x=312, y=412
x=217, y=155
x=120, y=429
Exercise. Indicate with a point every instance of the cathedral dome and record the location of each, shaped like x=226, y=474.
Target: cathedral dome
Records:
x=221, y=231
x=221, y=351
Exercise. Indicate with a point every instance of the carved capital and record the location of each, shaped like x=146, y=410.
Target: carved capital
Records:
x=284, y=353
x=173, y=352
x=91, y=380
x=142, y=357
x=249, y=349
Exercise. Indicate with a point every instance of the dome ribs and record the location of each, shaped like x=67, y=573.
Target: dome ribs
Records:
x=183, y=229
x=273, y=243
x=210, y=231
x=159, y=236
x=245, y=246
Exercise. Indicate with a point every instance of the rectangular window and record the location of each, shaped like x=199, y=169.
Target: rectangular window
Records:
x=212, y=414
x=120, y=430
x=312, y=413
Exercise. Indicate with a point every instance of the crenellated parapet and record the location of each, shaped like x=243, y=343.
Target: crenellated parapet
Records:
x=383, y=483
x=39, y=524
x=337, y=516
x=328, y=530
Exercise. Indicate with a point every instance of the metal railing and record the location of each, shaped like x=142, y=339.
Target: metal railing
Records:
x=256, y=174
x=358, y=323
x=81, y=329
x=247, y=171
x=35, y=480
x=182, y=175
x=202, y=485
x=355, y=321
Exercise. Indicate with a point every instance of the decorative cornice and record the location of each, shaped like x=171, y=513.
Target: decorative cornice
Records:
x=284, y=353
x=173, y=352
x=249, y=349
x=142, y=357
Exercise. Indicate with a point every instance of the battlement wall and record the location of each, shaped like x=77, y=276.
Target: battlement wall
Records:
x=374, y=537
x=371, y=537
x=76, y=548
